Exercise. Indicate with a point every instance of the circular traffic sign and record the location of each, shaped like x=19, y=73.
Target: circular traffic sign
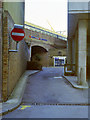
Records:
x=17, y=34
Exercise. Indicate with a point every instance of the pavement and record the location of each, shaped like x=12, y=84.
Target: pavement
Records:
x=16, y=97
x=73, y=81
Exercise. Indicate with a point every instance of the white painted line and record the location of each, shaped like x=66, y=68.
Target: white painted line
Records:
x=17, y=34
x=58, y=77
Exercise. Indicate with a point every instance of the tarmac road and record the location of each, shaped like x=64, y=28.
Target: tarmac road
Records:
x=49, y=87
x=49, y=95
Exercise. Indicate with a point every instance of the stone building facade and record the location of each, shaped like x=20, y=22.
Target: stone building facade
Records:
x=78, y=39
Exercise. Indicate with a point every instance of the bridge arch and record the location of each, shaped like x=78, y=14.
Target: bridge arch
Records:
x=39, y=54
x=40, y=45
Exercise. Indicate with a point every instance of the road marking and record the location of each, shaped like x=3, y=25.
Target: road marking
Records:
x=58, y=77
x=24, y=106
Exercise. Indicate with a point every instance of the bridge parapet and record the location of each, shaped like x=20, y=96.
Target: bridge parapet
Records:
x=44, y=38
x=45, y=31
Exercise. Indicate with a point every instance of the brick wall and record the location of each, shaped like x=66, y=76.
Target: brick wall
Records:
x=56, y=42
x=53, y=44
x=14, y=63
x=17, y=64
x=5, y=58
x=0, y=50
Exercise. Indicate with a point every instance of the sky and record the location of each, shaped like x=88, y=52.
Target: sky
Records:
x=45, y=12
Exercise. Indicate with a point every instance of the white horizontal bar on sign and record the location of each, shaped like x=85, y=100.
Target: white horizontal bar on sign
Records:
x=17, y=34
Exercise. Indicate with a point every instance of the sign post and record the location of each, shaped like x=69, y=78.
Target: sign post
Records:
x=17, y=34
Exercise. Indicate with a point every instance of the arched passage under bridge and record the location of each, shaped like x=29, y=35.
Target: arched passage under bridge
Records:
x=40, y=55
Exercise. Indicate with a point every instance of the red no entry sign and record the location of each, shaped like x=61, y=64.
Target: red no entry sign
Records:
x=17, y=34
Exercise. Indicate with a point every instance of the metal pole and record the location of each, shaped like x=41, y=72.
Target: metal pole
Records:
x=17, y=45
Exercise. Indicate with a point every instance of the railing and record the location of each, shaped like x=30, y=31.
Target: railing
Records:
x=69, y=69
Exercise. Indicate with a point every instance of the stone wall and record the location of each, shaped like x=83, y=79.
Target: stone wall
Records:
x=14, y=62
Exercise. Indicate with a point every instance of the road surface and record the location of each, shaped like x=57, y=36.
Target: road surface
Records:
x=49, y=95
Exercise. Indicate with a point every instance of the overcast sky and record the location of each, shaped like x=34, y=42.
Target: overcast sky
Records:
x=39, y=12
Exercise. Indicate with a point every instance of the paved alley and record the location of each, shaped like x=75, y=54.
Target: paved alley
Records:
x=49, y=87
x=45, y=95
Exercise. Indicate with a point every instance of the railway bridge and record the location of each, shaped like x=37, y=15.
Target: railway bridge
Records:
x=45, y=43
